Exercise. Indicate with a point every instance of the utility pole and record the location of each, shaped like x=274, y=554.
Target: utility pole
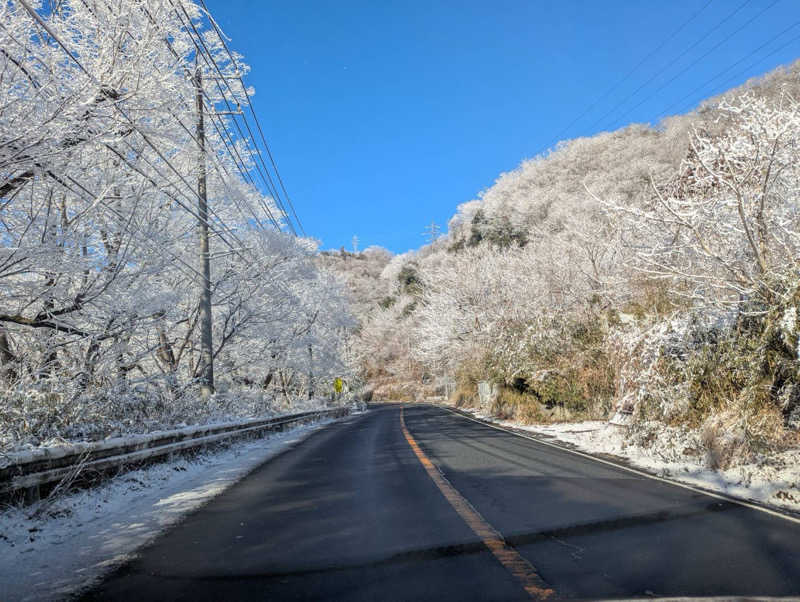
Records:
x=206, y=366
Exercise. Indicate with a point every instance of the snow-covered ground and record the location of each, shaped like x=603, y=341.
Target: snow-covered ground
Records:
x=59, y=449
x=54, y=548
x=676, y=454
x=86, y=433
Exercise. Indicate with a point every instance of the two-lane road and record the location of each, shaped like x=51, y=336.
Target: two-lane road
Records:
x=445, y=508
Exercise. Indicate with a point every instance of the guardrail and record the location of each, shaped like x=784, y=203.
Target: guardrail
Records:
x=32, y=475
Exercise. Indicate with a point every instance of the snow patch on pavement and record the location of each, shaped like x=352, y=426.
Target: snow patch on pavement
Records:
x=678, y=454
x=56, y=547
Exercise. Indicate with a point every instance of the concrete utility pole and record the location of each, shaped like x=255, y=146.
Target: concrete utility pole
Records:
x=206, y=366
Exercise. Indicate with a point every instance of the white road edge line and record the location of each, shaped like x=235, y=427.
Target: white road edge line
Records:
x=720, y=496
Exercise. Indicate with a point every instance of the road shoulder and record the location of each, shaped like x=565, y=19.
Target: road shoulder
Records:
x=717, y=488
x=55, y=548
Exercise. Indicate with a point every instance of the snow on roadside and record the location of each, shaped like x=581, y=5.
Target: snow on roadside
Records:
x=50, y=550
x=678, y=454
x=136, y=433
x=140, y=440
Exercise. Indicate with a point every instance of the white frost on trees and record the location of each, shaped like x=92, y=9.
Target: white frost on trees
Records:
x=98, y=245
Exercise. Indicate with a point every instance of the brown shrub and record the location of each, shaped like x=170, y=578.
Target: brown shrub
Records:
x=464, y=396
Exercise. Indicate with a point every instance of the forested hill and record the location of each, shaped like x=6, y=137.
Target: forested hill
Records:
x=545, y=191
x=614, y=271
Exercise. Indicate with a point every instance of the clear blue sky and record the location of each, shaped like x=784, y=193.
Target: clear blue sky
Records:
x=385, y=115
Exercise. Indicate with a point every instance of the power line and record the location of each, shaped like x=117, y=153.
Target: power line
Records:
x=694, y=62
x=221, y=38
x=213, y=116
x=765, y=57
x=625, y=78
x=210, y=60
x=261, y=168
x=147, y=140
x=216, y=66
x=220, y=128
x=217, y=165
x=738, y=73
x=671, y=62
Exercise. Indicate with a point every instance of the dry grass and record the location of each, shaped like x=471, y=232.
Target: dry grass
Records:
x=464, y=396
x=735, y=385
x=527, y=409
x=741, y=433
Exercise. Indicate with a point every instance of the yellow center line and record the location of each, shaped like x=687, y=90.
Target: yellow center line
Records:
x=515, y=564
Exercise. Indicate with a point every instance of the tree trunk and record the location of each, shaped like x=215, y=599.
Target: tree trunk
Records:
x=7, y=357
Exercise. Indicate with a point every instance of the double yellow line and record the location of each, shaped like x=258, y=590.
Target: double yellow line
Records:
x=515, y=564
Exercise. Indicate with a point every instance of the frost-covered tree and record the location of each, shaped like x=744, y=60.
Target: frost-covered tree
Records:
x=100, y=167
x=725, y=228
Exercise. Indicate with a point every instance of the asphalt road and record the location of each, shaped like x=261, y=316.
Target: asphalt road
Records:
x=354, y=513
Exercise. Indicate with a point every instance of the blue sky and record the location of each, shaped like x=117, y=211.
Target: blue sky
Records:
x=385, y=115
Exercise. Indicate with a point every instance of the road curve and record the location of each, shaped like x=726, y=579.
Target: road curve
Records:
x=451, y=509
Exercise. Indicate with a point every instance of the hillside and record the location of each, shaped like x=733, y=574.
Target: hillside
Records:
x=650, y=270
